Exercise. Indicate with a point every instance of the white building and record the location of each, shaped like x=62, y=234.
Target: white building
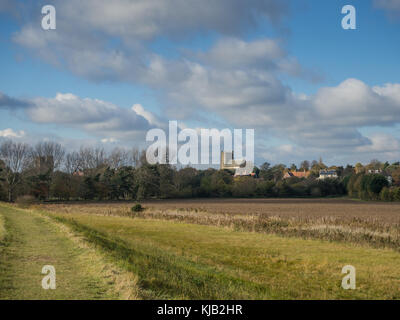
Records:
x=376, y=171
x=241, y=167
x=328, y=174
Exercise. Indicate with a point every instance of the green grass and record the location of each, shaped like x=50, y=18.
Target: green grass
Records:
x=2, y=228
x=177, y=260
x=33, y=241
x=188, y=261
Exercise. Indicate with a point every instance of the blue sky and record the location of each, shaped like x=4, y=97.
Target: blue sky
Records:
x=285, y=68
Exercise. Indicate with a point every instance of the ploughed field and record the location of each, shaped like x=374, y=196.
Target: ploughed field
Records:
x=232, y=249
x=285, y=208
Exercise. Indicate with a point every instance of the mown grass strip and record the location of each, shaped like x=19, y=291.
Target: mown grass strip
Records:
x=2, y=229
x=164, y=275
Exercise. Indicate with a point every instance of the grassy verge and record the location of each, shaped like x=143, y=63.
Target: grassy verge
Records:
x=2, y=228
x=191, y=261
x=33, y=241
x=376, y=225
x=357, y=231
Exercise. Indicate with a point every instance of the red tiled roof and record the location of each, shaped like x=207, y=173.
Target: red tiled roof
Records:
x=298, y=174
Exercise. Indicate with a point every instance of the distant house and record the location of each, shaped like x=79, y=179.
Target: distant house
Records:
x=240, y=167
x=78, y=173
x=298, y=174
x=328, y=174
x=387, y=175
x=245, y=171
x=384, y=173
x=377, y=171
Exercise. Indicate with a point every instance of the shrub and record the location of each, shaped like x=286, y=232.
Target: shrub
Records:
x=300, y=189
x=386, y=194
x=368, y=186
x=396, y=194
x=25, y=201
x=377, y=183
x=244, y=187
x=265, y=188
x=3, y=193
x=137, y=208
x=316, y=192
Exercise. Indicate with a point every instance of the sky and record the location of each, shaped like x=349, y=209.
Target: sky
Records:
x=111, y=71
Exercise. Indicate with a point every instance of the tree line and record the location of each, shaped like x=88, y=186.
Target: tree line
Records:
x=46, y=171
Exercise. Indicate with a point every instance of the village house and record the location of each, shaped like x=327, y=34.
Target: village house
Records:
x=327, y=174
x=295, y=173
x=384, y=173
x=240, y=167
x=78, y=173
x=377, y=171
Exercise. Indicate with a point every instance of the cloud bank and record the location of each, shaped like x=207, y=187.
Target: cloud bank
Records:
x=236, y=79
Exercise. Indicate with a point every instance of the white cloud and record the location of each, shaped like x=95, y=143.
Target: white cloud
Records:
x=10, y=133
x=149, y=116
x=94, y=116
x=109, y=140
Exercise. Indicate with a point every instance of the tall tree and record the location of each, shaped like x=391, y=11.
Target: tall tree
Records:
x=119, y=158
x=47, y=157
x=15, y=156
x=305, y=165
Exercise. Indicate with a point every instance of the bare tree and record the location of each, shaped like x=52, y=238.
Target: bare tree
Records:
x=314, y=164
x=305, y=165
x=73, y=162
x=375, y=164
x=142, y=158
x=99, y=157
x=135, y=158
x=92, y=158
x=119, y=158
x=15, y=156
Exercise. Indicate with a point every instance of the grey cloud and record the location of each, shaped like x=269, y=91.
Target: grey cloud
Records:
x=236, y=53
x=146, y=19
x=5, y=5
x=12, y=103
x=391, y=7
x=84, y=41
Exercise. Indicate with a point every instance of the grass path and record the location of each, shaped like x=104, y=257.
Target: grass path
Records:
x=32, y=241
